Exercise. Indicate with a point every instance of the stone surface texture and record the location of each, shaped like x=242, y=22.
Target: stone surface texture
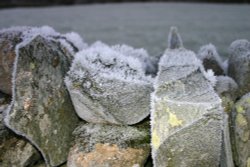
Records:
x=239, y=65
x=109, y=87
x=241, y=131
x=41, y=109
x=227, y=89
x=186, y=116
x=98, y=145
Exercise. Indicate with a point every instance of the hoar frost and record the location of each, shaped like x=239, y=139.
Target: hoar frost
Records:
x=107, y=86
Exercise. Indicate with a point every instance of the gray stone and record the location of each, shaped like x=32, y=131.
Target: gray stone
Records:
x=98, y=145
x=211, y=59
x=239, y=65
x=109, y=87
x=174, y=39
x=41, y=109
x=241, y=131
x=11, y=37
x=227, y=89
x=186, y=117
x=8, y=42
x=15, y=151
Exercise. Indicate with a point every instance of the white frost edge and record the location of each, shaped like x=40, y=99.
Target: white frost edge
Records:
x=8, y=110
x=28, y=34
x=99, y=50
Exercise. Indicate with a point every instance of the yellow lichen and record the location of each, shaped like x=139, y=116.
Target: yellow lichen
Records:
x=248, y=162
x=240, y=109
x=155, y=140
x=241, y=120
x=173, y=120
x=32, y=66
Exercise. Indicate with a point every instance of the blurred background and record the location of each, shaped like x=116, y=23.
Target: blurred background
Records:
x=139, y=24
x=14, y=3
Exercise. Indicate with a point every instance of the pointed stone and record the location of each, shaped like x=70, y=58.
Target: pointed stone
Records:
x=174, y=39
x=241, y=131
x=239, y=65
x=186, y=117
x=98, y=145
x=41, y=109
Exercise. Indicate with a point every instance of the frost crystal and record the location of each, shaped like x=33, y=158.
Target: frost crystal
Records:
x=76, y=40
x=102, y=60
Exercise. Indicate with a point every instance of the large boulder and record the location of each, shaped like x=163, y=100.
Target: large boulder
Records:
x=239, y=65
x=187, y=117
x=41, y=108
x=14, y=150
x=211, y=59
x=98, y=145
x=241, y=131
x=107, y=86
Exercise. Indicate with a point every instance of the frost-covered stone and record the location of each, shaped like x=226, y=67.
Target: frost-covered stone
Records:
x=11, y=37
x=186, y=117
x=227, y=89
x=15, y=151
x=109, y=87
x=211, y=59
x=41, y=109
x=98, y=145
x=241, y=131
x=239, y=65
x=174, y=39
x=141, y=54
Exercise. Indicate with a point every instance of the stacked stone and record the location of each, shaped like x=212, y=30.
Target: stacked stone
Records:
x=41, y=110
x=187, y=117
x=239, y=68
x=110, y=90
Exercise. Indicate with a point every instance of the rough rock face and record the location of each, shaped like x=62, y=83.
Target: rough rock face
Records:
x=41, y=109
x=98, y=145
x=241, y=131
x=8, y=41
x=109, y=87
x=239, y=65
x=11, y=37
x=211, y=59
x=186, y=116
x=15, y=151
x=226, y=88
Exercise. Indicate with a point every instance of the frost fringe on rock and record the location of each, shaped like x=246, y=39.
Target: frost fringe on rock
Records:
x=185, y=111
x=107, y=86
x=40, y=49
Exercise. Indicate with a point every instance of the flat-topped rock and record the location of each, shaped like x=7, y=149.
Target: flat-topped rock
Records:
x=41, y=108
x=98, y=145
x=109, y=87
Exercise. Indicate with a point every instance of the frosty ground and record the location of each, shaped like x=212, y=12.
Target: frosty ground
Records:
x=141, y=24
